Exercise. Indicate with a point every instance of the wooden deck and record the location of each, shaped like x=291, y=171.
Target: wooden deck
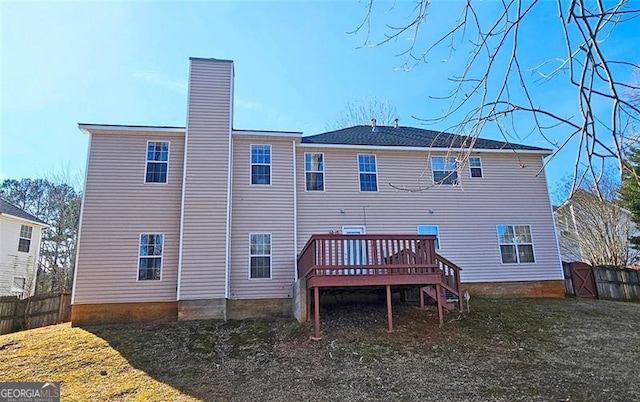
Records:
x=335, y=260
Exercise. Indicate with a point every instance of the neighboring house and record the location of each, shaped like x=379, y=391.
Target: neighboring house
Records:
x=206, y=220
x=595, y=231
x=20, y=235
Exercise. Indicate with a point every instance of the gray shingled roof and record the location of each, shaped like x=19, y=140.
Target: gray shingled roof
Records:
x=408, y=137
x=9, y=209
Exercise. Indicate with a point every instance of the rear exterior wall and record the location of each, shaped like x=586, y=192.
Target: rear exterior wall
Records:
x=119, y=206
x=512, y=190
x=263, y=209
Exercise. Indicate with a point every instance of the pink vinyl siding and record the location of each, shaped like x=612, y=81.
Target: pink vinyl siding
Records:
x=466, y=215
x=263, y=209
x=204, y=238
x=118, y=207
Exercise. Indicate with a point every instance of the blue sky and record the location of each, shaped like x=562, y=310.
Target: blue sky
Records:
x=296, y=68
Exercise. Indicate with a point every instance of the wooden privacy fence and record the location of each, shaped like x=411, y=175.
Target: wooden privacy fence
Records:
x=35, y=311
x=610, y=282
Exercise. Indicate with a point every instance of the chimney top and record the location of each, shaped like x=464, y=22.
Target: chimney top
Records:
x=395, y=123
x=373, y=125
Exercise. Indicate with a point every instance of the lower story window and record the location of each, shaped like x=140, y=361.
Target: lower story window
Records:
x=260, y=255
x=19, y=284
x=150, y=256
x=516, y=244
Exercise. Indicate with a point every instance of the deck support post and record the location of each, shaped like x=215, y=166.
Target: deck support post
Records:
x=439, y=300
x=316, y=314
x=389, y=309
x=308, y=304
x=421, y=297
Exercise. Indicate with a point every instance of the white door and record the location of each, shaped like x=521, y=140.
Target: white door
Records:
x=354, y=250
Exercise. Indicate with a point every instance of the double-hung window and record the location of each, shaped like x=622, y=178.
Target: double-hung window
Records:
x=445, y=170
x=475, y=166
x=368, y=173
x=314, y=171
x=516, y=244
x=24, y=242
x=260, y=255
x=430, y=230
x=157, y=161
x=150, y=256
x=261, y=164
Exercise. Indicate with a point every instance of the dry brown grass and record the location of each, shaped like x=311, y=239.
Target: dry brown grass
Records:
x=503, y=350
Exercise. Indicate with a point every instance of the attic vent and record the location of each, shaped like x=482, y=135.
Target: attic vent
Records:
x=373, y=125
x=395, y=123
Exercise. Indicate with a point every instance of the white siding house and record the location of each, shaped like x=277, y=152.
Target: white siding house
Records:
x=20, y=235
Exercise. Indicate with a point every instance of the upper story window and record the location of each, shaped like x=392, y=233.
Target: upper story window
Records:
x=516, y=245
x=430, y=230
x=157, y=161
x=150, y=256
x=261, y=164
x=24, y=242
x=445, y=169
x=368, y=173
x=260, y=255
x=314, y=171
x=475, y=166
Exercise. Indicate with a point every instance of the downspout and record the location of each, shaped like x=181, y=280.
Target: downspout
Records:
x=184, y=186
x=553, y=221
x=295, y=214
x=229, y=187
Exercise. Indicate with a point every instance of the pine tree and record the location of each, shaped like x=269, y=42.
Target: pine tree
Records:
x=630, y=190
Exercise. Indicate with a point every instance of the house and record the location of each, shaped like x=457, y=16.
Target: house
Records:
x=595, y=231
x=20, y=236
x=211, y=221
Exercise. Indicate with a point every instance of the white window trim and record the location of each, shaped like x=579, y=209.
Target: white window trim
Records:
x=437, y=234
x=161, y=259
x=457, y=170
x=355, y=227
x=476, y=167
x=146, y=164
x=16, y=290
x=375, y=160
x=533, y=247
x=261, y=164
x=324, y=175
x=20, y=237
x=262, y=255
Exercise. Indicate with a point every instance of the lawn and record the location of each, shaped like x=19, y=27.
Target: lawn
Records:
x=577, y=350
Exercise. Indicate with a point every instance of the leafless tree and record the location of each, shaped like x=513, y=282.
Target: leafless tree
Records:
x=596, y=229
x=493, y=86
x=361, y=111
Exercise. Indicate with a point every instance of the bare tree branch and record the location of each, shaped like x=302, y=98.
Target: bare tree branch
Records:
x=494, y=88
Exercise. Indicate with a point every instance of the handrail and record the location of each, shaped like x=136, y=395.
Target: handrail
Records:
x=339, y=251
x=447, y=262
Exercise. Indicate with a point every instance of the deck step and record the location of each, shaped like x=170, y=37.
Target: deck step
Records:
x=450, y=298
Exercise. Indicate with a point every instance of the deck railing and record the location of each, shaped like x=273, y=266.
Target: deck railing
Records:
x=335, y=254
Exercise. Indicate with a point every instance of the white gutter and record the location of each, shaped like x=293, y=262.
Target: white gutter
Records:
x=87, y=128
x=43, y=225
x=295, y=213
x=84, y=193
x=259, y=133
x=423, y=149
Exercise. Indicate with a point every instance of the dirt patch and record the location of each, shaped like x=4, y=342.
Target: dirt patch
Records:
x=504, y=349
